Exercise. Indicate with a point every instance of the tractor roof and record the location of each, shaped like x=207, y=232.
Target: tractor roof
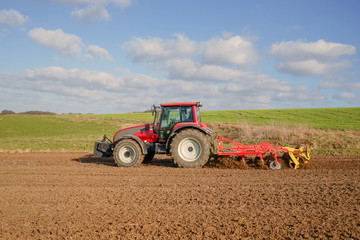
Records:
x=181, y=104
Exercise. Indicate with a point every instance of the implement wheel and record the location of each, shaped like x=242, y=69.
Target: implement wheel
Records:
x=190, y=149
x=127, y=153
x=292, y=164
x=273, y=165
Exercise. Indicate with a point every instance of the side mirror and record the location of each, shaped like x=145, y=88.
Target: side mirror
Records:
x=153, y=109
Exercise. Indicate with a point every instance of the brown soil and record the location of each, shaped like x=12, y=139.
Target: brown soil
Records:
x=76, y=196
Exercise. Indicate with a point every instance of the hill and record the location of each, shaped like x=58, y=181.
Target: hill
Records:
x=9, y=112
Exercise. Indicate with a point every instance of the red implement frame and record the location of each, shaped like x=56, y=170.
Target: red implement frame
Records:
x=241, y=150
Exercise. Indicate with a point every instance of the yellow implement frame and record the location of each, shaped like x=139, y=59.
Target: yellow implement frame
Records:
x=298, y=156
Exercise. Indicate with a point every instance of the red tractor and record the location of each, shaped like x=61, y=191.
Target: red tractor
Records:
x=177, y=131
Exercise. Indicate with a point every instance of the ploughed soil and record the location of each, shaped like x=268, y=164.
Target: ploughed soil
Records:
x=76, y=196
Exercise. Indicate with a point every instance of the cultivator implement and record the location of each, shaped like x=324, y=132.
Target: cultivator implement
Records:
x=297, y=157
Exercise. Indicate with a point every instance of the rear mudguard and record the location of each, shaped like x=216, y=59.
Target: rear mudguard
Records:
x=206, y=131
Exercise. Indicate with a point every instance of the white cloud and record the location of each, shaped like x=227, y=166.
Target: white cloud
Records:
x=96, y=52
x=314, y=58
x=312, y=67
x=83, y=87
x=12, y=18
x=349, y=97
x=92, y=11
x=140, y=81
x=74, y=78
x=210, y=69
x=346, y=96
x=189, y=70
x=66, y=44
x=257, y=88
x=119, y=3
x=76, y=2
x=136, y=91
x=157, y=49
x=335, y=81
x=355, y=86
x=299, y=96
x=33, y=82
x=319, y=50
x=236, y=80
x=91, y=14
x=235, y=50
x=70, y=82
x=182, y=75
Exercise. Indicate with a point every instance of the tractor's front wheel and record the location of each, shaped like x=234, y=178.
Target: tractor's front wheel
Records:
x=127, y=153
x=190, y=149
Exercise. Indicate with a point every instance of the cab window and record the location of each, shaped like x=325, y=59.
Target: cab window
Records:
x=186, y=114
x=169, y=117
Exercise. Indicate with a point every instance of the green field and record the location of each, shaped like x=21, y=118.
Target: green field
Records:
x=319, y=118
x=57, y=132
x=72, y=132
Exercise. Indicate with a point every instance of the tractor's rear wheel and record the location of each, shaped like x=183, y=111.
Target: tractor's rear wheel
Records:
x=190, y=149
x=127, y=153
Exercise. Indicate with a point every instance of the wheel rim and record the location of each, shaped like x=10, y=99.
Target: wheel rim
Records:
x=127, y=154
x=274, y=166
x=189, y=149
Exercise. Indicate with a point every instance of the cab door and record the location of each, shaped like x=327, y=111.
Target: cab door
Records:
x=169, y=116
x=172, y=115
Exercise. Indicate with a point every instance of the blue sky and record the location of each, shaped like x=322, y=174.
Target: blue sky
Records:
x=112, y=56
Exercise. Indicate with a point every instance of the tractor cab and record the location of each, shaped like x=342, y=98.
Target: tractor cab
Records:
x=171, y=116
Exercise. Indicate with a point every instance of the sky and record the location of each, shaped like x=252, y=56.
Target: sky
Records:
x=118, y=56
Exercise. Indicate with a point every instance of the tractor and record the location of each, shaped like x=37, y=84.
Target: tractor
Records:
x=177, y=130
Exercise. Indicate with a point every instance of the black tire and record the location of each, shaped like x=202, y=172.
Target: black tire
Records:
x=190, y=149
x=148, y=157
x=127, y=153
